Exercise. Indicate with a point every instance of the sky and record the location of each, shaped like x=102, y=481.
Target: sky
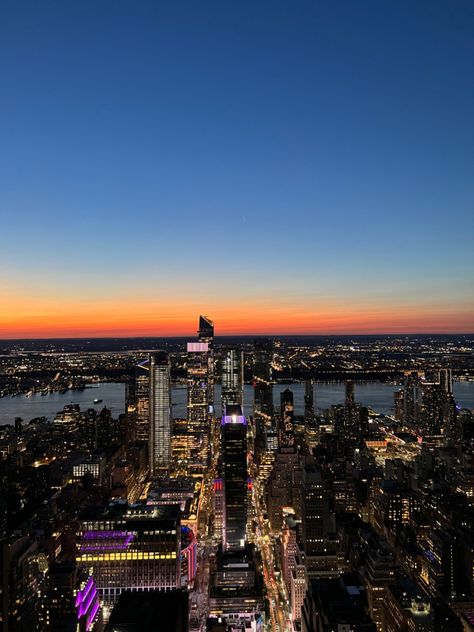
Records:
x=281, y=166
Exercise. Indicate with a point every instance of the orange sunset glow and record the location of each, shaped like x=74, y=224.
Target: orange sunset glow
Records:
x=36, y=319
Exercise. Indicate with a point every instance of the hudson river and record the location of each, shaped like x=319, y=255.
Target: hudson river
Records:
x=377, y=395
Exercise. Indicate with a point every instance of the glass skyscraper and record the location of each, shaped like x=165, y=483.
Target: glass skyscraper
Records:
x=160, y=412
x=232, y=378
x=234, y=478
x=262, y=378
x=206, y=335
x=198, y=427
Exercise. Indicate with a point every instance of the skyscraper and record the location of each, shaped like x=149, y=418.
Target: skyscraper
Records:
x=263, y=395
x=446, y=380
x=262, y=378
x=350, y=396
x=160, y=412
x=206, y=335
x=138, y=402
x=232, y=378
x=411, y=386
x=234, y=477
x=286, y=431
x=197, y=367
x=308, y=401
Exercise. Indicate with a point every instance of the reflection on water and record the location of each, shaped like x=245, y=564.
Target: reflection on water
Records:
x=377, y=395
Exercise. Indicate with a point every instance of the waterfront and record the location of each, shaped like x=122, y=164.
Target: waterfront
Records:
x=377, y=395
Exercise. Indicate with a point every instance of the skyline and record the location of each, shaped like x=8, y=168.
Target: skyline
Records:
x=285, y=169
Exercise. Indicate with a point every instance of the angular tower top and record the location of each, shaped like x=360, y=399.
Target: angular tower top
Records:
x=206, y=327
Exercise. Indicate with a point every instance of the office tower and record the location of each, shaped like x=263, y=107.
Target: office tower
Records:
x=286, y=431
x=131, y=547
x=399, y=405
x=432, y=410
x=349, y=399
x=314, y=510
x=263, y=395
x=198, y=426
x=321, y=543
x=308, y=401
x=379, y=573
x=446, y=380
x=285, y=486
x=138, y=402
x=232, y=379
x=411, y=398
x=262, y=379
x=206, y=335
x=160, y=412
x=234, y=478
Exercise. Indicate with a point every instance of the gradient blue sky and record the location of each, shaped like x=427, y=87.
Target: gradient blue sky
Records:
x=176, y=157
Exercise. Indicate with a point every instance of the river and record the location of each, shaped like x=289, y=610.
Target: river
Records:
x=377, y=395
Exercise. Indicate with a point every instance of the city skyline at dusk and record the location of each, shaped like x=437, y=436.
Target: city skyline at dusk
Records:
x=163, y=160
x=236, y=316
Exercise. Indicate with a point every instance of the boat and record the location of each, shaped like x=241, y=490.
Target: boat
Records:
x=97, y=401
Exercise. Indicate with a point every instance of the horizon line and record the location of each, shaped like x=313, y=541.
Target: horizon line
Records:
x=273, y=335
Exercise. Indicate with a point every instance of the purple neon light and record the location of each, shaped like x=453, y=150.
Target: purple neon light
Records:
x=111, y=545
x=91, y=617
x=87, y=602
x=82, y=594
x=97, y=535
x=84, y=607
x=233, y=419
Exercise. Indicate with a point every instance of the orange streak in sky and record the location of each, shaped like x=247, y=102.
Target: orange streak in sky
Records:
x=31, y=318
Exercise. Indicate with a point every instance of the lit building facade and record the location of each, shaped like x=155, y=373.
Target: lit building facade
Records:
x=234, y=471
x=198, y=427
x=262, y=378
x=160, y=412
x=133, y=548
x=138, y=402
x=206, y=335
x=232, y=378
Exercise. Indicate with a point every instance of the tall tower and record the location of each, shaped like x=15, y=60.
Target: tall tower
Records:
x=232, y=379
x=160, y=412
x=446, y=380
x=234, y=477
x=411, y=387
x=350, y=397
x=286, y=432
x=137, y=398
x=263, y=395
x=262, y=378
x=206, y=335
x=308, y=401
x=197, y=366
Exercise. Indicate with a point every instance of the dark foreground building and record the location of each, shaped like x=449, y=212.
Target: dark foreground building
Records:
x=150, y=611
